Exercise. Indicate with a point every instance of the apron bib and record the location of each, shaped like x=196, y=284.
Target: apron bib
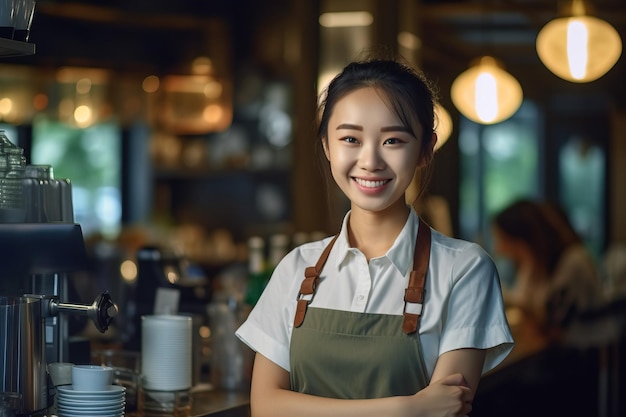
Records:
x=350, y=355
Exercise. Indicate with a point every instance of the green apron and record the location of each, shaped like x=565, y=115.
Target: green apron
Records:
x=351, y=355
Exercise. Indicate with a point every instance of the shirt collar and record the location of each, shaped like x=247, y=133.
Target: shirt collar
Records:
x=342, y=245
x=401, y=252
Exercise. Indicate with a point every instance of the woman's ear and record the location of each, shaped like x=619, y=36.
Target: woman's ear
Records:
x=433, y=142
x=325, y=146
x=428, y=151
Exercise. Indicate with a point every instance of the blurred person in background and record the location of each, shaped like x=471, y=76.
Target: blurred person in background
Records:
x=556, y=278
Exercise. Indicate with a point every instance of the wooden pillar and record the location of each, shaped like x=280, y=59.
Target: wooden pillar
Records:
x=616, y=189
x=310, y=205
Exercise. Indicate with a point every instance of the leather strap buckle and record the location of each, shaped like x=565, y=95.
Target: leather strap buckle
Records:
x=414, y=293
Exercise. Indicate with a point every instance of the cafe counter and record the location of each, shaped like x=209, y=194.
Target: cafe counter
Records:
x=217, y=403
x=213, y=403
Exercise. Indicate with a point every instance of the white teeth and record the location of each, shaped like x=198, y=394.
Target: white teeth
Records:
x=370, y=184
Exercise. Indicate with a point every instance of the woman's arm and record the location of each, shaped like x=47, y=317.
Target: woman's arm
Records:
x=467, y=362
x=271, y=396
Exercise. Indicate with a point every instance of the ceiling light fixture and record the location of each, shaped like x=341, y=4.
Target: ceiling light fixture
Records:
x=345, y=19
x=578, y=47
x=486, y=93
x=443, y=125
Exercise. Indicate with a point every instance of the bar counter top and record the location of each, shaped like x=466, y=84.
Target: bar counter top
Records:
x=218, y=403
x=213, y=403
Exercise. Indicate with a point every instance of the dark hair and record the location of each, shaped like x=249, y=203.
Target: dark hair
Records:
x=544, y=228
x=408, y=91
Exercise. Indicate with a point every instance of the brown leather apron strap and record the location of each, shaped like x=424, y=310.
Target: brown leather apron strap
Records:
x=414, y=293
x=308, y=286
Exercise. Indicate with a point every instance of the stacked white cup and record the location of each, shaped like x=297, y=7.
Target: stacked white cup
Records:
x=166, y=352
x=91, y=377
x=91, y=393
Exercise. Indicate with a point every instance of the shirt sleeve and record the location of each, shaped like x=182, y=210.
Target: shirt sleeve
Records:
x=475, y=315
x=267, y=330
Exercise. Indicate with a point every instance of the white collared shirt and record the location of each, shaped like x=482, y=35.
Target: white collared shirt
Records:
x=463, y=305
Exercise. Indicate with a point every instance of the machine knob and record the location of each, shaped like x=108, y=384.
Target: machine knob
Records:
x=103, y=312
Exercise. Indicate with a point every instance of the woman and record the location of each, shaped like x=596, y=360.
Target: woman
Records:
x=388, y=317
x=556, y=277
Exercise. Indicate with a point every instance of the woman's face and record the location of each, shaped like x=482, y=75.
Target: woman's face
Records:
x=372, y=155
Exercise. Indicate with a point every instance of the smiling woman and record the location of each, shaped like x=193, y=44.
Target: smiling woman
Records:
x=427, y=307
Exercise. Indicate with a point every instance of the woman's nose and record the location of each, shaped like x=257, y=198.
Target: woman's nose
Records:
x=370, y=158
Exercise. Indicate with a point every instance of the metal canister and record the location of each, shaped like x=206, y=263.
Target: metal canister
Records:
x=22, y=354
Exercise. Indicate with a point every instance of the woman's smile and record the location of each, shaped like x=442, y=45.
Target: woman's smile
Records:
x=370, y=185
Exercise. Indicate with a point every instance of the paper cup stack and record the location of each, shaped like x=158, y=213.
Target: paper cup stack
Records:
x=91, y=394
x=166, y=352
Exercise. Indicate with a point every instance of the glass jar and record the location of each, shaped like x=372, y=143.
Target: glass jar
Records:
x=12, y=165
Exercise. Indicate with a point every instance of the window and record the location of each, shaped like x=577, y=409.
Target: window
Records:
x=91, y=159
x=582, y=168
x=499, y=163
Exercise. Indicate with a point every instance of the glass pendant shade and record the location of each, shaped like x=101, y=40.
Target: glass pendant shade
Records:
x=486, y=93
x=579, y=48
x=443, y=125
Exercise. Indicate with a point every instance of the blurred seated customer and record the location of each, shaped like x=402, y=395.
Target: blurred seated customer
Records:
x=557, y=280
x=614, y=269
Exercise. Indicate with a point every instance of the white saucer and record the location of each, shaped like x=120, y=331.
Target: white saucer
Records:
x=91, y=410
x=109, y=403
x=79, y=414
x=113, y=391
x=105, y=402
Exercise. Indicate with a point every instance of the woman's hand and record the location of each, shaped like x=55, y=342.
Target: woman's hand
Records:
x=447, y=397
x=452, y=387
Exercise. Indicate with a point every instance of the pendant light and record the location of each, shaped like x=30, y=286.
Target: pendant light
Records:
x=443, y=125
x=578, y=47
x=486, y=93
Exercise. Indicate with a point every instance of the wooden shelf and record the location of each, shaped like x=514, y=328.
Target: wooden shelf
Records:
x=161, y=173
x=9, y=47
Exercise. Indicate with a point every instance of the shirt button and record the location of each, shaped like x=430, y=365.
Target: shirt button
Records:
x=361, y=297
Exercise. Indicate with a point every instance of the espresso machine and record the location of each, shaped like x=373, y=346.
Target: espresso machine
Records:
x=40, y=245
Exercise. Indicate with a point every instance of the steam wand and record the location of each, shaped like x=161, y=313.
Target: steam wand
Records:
x=101, y=312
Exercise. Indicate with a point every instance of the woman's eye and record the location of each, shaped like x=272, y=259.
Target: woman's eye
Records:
x=350, y=139
x=392, y=141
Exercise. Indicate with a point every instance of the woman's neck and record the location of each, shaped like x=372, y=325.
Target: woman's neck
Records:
x=375, y=232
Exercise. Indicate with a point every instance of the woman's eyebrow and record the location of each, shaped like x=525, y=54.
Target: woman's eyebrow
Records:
x=349, y=126
x=395, y=129
x=382, y=129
